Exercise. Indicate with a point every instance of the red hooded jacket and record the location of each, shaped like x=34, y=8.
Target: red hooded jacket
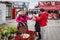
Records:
x=21, y=18
x=42, y=19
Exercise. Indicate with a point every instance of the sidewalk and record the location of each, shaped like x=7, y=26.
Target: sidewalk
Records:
x=52, y=32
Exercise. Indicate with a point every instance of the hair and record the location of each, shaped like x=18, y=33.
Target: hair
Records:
x=56, y=11
x=34, y=12
x=52, y=11
x=20, y=9
x=49, y=11
x=42, y=10
x=21, y=24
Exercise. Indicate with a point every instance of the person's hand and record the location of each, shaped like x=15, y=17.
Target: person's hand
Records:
x=30, y=16
x=34, y=14
x=34, y=18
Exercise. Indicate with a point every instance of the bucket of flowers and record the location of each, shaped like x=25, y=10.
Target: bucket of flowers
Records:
x=3, y=33
x=7, y=33
x=13, y=31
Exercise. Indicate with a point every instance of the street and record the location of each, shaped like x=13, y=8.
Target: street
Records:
x=52, y=32
x=23, y=10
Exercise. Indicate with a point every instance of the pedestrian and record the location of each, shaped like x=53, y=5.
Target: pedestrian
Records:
x=55, y=15
x=22, y=18
x=37, y=27
x=42, y=22
x=24, y=34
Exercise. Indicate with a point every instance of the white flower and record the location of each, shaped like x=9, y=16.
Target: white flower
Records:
x=4, y=31
x=26, y=35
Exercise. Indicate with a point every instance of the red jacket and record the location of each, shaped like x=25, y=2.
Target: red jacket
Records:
x=21, y=18
x=42, y=19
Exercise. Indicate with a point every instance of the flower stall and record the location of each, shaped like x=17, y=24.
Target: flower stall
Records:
x=11, y=33
x=7, y=32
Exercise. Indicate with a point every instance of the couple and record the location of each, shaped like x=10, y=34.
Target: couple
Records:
x=41, y=22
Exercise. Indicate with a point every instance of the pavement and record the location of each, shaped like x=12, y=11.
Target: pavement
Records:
x=52, y=29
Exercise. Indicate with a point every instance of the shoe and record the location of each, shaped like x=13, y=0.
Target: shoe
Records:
x=38, y=39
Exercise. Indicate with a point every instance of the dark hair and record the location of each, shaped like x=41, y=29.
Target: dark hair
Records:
x=56, y=11
x=34, y=12
x=49, y=11
x=42, y=10
x=21, y=24
x=20, y=10
x=52, y=11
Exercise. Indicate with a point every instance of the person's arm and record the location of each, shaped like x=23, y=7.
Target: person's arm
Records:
x=28, y=18
x=19, y=19
x=38, y=19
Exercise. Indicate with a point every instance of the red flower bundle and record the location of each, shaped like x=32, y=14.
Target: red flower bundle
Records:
x=32, y=36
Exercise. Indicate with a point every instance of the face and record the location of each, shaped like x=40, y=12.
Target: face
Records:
x=22, y=12
x=25, y=12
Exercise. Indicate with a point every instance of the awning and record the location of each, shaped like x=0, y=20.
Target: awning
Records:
x=50, y=7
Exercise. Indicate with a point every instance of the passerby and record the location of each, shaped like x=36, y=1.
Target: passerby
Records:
x=24, y=34
x=22, y=18
x=55, y=14
x=42, y=22
x=37, y=27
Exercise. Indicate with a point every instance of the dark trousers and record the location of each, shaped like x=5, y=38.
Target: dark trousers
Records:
x=37, y=28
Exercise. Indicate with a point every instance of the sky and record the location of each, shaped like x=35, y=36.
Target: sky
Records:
x=33, y=3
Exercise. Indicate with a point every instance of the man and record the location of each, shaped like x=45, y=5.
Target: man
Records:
x=42, y=22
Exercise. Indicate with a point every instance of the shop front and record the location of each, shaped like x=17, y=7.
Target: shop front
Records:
x=52, y=6
x=16, y=6
x=8, y=9
x=2, y=13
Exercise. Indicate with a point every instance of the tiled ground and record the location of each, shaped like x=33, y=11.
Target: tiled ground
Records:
x=53, y=28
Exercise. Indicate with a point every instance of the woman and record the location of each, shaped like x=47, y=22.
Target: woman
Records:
x=42, y=22
x=22, y=17
x=37, y=28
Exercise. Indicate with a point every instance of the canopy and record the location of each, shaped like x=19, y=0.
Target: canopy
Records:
x=50, y=7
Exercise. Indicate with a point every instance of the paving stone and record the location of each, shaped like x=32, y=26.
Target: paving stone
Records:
x=52, y=30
